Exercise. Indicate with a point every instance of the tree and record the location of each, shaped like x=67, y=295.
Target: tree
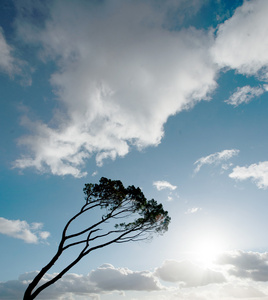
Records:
x=128, y=216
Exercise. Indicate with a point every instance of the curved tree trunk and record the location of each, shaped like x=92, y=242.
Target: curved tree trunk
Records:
x=28, y=295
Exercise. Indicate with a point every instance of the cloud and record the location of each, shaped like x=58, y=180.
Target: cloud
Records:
x=215, y=158
x=119, y=75
x=12, y=65
x=244, y=95
x=257, y=172
x=187, y=273
x=94, y=173
x=241, y=291
x=104, y=279
x=7, y=61
x=240, y=42
x=109, y=278
x=29, y=233
x=12, y=289
x=227, y=291
x=162, y=184
x=70, y=284
x=193, y=210
x=199, y=283
x=252, y=265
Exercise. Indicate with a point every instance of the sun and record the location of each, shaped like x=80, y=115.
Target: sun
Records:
x=206, y=249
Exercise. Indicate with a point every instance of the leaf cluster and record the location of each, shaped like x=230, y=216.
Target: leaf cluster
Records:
x=114, y=197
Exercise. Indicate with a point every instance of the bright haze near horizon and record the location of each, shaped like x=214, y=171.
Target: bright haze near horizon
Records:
x=170, y=96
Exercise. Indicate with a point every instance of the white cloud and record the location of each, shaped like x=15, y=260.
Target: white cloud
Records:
x=29, y=233
x=184, y=280
x=193, y=210
x=109, y=278
x=187, y=273
x=241, y=41
x=226, y=291
x=265, y=86
x=215, y=158
x=226, y=166
x=120, y=75
x=242, y=290
x=10, y=64
x=257, y=172
x=7, y=61
x=170, y=198
x=105, y=279
x=253, y=265
x=244, y=95
x=43, y=235
x=162, y=184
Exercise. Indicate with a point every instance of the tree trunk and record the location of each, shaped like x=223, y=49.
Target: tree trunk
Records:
x=28, y=293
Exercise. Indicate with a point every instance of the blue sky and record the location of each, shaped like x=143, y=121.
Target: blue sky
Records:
x=170, y=96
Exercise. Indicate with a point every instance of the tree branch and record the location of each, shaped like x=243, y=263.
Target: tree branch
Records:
x=109, y=216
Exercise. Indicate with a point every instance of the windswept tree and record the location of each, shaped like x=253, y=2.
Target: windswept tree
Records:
x=128, y=216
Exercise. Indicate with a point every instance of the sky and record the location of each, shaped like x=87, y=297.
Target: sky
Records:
x=169, y=96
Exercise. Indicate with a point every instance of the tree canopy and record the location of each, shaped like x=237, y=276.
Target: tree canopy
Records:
x=128, y=216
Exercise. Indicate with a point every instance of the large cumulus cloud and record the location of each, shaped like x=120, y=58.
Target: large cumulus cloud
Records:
x=105, y=279
x=120, y=72
x=119, y=76
x=188, y=274
x=252, y=265
x=180, y=280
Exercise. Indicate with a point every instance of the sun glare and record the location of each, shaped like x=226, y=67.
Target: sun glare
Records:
x=205, y=249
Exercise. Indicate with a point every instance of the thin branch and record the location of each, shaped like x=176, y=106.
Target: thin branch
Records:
x=109, y=216
x=105, y=234
x=80, y=242
x=83, y=210
x=130, y=238
x=73, y=244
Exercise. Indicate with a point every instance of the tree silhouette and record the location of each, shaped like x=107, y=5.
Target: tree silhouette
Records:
x=128, y=216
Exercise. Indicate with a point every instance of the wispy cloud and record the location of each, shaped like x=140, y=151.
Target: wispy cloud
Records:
x=29, y=233
x=244, y=95
x=257, y=172
x=161, y=185
x=193, y=210
x=7, y=61
x=215, y=158
x=94, y=173
x=10, y=64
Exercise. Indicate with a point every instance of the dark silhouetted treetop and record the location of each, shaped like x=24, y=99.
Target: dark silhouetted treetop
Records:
x=127, y=216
